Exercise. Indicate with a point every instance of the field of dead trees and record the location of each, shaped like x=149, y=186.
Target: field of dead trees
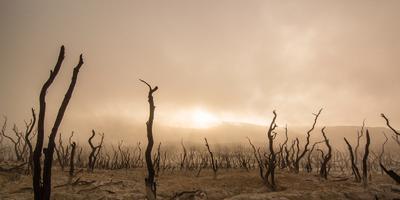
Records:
x=45, y=164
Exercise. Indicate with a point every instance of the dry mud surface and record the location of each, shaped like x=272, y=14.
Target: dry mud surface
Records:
x=230, y=184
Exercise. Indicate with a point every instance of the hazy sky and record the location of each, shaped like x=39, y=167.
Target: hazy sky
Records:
x=212, y=60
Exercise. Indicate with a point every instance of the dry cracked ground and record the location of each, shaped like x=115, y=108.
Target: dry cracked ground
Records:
x=230, y=184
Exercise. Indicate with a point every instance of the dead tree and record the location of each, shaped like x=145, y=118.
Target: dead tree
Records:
x=271, y=161
x=360, y=134
x=354, y=167
x=283, y=147
x=214, y=162
x=71, y=160
x=150, y=182
x=365, y=160
x=309, y=163
x=258, y=158
x=391, y=173
x=42, y=182
x=15, y=141
x=94, y=151
x=383, y=148
x=296, y=163
x=323, y=172
x=29, y=128
x=62, y=153
x=388, y=124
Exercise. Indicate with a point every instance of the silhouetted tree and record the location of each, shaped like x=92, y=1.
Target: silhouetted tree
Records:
x=259, y=160
x=365, y=160
x=150, y=182
x=94, y=151
x=324, y=171
x=42, y=182
x=354, y=167
x=360, y=134
x=29, y=128
x=310, y=152
x=296, y=163
x=271, y=161
x=71, y=161
x=214, y=162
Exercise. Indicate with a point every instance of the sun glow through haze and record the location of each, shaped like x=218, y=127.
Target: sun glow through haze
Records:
x=194, y=118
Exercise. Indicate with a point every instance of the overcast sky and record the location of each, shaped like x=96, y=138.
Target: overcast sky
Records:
x=229, y=60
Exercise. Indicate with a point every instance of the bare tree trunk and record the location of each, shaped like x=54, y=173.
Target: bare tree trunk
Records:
x=365, y=160
x=29, y=128
x=354, y=167
x=391, y=173
x=151, y=188
x=94, y=151
x=71, y=160
x=214, y=162
x=324, y=171
x=299, y=157
x=258, y=159
x=270, y=174
x=42, y=183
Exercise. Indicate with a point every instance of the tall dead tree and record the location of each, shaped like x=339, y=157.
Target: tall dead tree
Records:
x=323, y=172
x=214, y=162
x=360, y=134
x=271, y=161
x=391, y=173
x=258, y=158
x=296, y=163
x=383, y=148
x=365, y=160
x=388, y=124
x=354, y=167
x=310, y=152
x=150, y=182
x=42, y=182
x=95, y=150
x=72, y=155
x=62, y=152
x=15, y=141
x=283, y=147
x=29, y=128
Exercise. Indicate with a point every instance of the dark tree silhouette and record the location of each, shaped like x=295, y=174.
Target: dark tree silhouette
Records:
x=214, y=162
x=296, y=163
x=283, y=162
x=95, y=150
x=16, y=142
x=42, y=182
x=354, y=167
x=29, y=128
x=360, y=134
x=310, y=152
x=71, y=160
x=388, y=124
x=150, y=182
x=258, y=158
x=271, y=161
x=324, y=171
x=391, y=173
x=365, y=160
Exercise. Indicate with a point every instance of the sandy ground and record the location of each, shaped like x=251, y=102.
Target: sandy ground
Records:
x=230, y=184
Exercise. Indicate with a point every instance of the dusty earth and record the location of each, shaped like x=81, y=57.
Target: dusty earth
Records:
x=230, y=184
